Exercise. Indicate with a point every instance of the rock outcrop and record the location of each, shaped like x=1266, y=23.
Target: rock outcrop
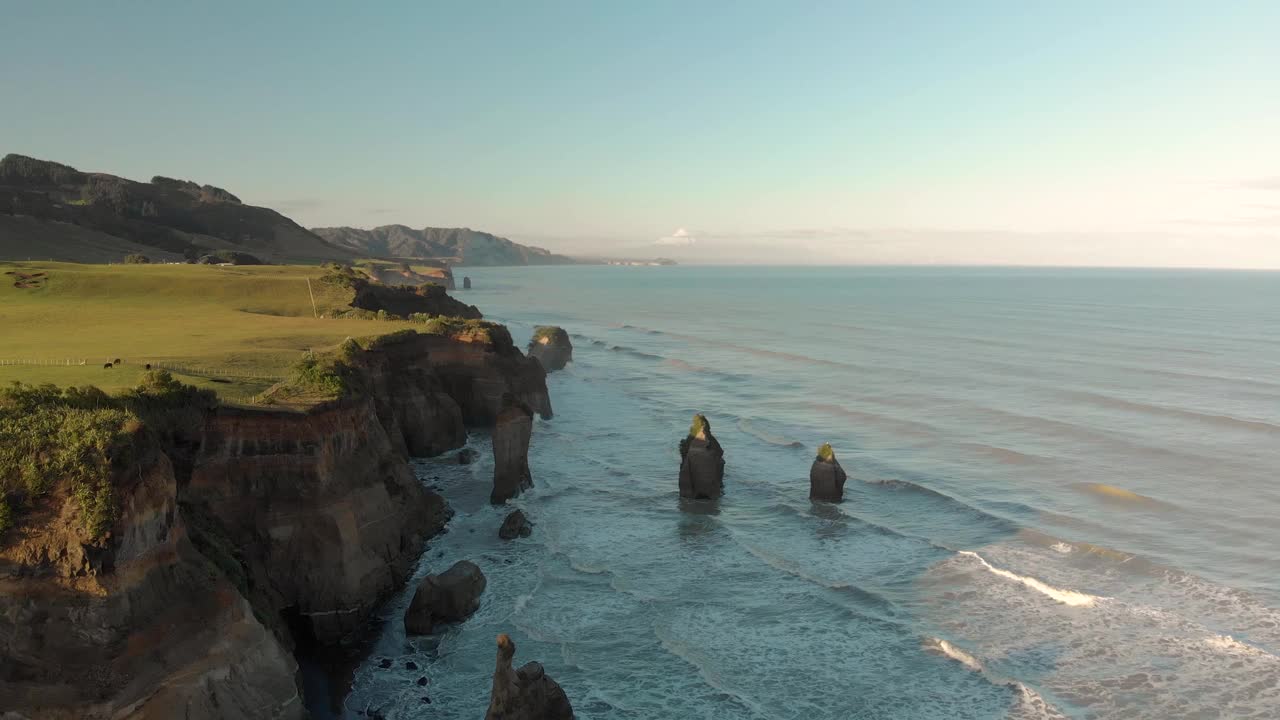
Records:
x=551, y=347
x=515, y=525
x=511, y=435
x=137, y=625
x=466, y=282
x=701, y=462
x=451, y=596
x=826, y=477
x=524, y=694
x=478, y=369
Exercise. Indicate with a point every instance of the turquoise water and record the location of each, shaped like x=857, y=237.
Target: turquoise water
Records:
x=1062, y=499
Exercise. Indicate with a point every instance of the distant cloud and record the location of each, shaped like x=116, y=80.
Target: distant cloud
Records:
x=1266, y=183
x=679, y=237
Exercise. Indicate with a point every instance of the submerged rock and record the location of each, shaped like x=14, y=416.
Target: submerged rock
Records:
x=550, y=346
x=511, y=434
x=451, y=596
x=524, y=694
x=515, y=525
x=701, y=462
x=826, y=477
x=466, y=456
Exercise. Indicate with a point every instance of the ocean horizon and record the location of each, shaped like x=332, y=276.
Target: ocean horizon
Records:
x=1058, y=501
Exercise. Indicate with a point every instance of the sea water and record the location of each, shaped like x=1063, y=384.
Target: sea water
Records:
x=1062, y=499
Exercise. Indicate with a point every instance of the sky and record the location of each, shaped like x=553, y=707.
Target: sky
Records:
x=1022, y=132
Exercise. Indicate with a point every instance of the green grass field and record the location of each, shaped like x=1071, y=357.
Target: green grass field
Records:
x=231, y=329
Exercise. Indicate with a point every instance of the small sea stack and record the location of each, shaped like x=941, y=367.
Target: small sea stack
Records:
x=524, y=694
x=466, y=282
x=826, y=477
x=551, y=347
x=511, y=434
x=701, y=462
x=451, y=596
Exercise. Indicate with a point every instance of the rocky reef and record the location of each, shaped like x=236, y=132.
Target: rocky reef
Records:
x=701, y=462
x=550, y=346
x=826, y=477
x=511, y=435
x=236, y=538
x=524, y=694
x=451, y=596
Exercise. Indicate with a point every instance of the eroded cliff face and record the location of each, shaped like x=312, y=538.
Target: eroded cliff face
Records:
x=137, y=625
x=321, y=505
x=275, y=522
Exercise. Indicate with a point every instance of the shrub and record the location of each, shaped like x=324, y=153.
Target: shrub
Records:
x=825, y=453
x=137, y=259
x=6, y=515
x=322, y=374
x=47, y=435
x=82, y=436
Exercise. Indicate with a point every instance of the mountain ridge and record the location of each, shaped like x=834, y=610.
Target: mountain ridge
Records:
x=458, y=246
x=51, y=210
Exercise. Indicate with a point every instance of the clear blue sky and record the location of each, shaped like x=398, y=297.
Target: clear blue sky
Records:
x=1063, y=132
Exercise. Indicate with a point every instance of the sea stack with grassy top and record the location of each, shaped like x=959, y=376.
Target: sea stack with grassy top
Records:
x=511, y=434
x=524, y=694
x=701, y=462
x=551, y=347
x=826, y=477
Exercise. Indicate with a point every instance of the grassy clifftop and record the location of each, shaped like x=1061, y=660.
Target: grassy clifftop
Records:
x=238, y=329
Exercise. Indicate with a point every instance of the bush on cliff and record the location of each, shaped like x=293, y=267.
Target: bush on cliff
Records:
x=825, y=453
x=81, y=437
x=324, y=374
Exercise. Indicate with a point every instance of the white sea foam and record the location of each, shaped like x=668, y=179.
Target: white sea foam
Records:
x=1031, y=706
x=943, y=647
x=1066, y=597
x=1062, y=547
x=1228, y=644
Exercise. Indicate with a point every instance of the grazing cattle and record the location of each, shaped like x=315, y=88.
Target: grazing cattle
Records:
x=116, y=361
x=147, y=366
x=108, y=366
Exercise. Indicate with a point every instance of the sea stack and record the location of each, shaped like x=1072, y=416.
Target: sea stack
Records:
x=524, y=694
x=701, y=462
x=511, y=433
x=551, y=347
x=466, y=282
x=826, y=477
x=451, y=596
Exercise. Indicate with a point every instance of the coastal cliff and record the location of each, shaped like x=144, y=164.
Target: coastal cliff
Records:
x=234, y=539
x=137, y=625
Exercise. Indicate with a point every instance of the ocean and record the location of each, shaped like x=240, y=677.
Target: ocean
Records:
x=1062, y=499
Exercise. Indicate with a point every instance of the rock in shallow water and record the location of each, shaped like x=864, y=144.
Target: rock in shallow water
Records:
x=515, y=525
x=450, y=596
x=701, y=462
x=826, y=477
x=524, y=694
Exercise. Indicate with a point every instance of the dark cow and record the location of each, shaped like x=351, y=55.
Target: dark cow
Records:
x=147, y=366
x=108, y=366
x=116, y=361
